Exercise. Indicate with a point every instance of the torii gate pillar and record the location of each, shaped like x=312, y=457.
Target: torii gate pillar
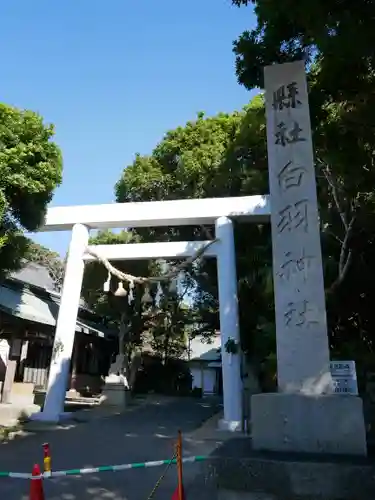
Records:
x=229, y=325
x=53, y=410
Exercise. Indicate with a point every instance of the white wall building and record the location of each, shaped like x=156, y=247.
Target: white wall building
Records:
x=205, y=364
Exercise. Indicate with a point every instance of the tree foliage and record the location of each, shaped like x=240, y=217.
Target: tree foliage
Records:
x=154, y=327
x=337, y=43
x=224, y=155
x=122, y=315
x=30, y=170
x=169, y=328
x=49, y=259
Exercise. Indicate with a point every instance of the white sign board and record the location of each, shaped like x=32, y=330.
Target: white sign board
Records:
x=344, y=377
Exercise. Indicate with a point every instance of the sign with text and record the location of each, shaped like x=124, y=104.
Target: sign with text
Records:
x=301, y=325
x=344, y=377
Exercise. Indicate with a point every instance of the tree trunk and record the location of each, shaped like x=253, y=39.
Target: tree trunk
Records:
x=124, y=359
x=121, y=339
x=133, y=369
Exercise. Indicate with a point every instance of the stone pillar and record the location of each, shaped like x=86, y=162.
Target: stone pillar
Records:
x=73, y=379
x=65, y=328
x=11, y=368
x=305, y=415
x=229, y=325
x=116, y=389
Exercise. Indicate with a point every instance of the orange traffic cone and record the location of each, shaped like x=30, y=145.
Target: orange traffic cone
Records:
x=177, y=493
x=36, y=486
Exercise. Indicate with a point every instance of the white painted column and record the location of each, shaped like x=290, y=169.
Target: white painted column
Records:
x=229, y=324
x=65, y=328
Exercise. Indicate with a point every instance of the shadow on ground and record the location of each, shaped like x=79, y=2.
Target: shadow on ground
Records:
x=144, y=434
x=233, y=466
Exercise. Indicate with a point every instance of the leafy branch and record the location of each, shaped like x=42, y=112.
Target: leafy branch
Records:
x=348, y=222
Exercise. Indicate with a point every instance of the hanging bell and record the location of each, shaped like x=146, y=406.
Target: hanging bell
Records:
x=131, y=292
x=107, y=284
x=146, y=298
x=120, y=292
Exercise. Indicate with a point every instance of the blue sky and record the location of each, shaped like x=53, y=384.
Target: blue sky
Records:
x=114, y=76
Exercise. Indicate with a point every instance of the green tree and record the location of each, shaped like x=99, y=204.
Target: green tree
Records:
x=337, y=43
x=30, y=170
x=154, y=326
x=341, y=80
x=218, y=156
x=169, y=328
x=49, y=259
x=226, y=155
x=128, y=317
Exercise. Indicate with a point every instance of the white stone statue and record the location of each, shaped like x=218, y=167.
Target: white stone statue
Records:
x=115, y=375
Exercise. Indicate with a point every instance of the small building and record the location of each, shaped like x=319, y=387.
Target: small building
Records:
x=205, y=364
x=28, y=314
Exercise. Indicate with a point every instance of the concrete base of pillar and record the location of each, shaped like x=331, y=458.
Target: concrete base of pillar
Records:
x=229, y=425
x=114, y=394
x=49, y=418
x=240, y=475
x=308, y=424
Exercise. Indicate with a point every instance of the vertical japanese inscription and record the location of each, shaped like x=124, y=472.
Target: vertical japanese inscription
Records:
x=291, y=176
x=293, y=216
x=285, y=134
x=300, y=313
x=295, y=264
x=301, y=332
x=286, y=96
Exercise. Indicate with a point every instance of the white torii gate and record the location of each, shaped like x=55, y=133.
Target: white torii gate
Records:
x=333, y=424
x=81, y=219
